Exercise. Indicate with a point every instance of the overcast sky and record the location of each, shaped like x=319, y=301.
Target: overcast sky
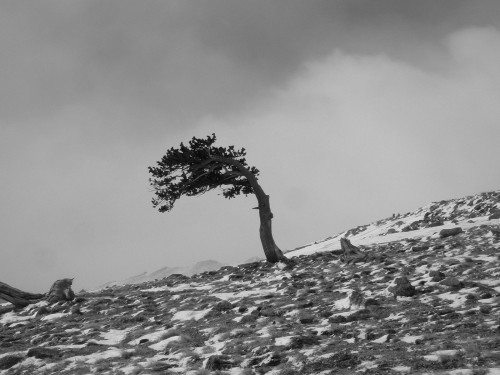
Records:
x=352, y=110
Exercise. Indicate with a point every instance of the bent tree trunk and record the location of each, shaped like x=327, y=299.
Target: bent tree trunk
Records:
x=271, y=250
x=17, y=297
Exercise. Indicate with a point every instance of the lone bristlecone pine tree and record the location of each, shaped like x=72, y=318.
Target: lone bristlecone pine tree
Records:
x=200, y=167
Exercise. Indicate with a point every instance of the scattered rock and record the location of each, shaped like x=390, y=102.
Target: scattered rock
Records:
x=371, y=302
x=419, y=248
x=223, y=306
x=250, y=318
x=75, y=310
x=298, y=342
x=306, y=320
x=436, y=223
x=218, y=362
x=306, y=305
x=43, y=310
x=445, y=311
x=494, y=215
x=341, y=360
x=413, y=226
x=270, y=360
x=485, y=295
x=452, y=282
x=10, y=360
x=337, y=319
x=403, y=288
x=437, y=275
x=160, y=367
x=450, y=232
x=485, y=309
x=41, y=352
x=359, y=315
x=471, y=298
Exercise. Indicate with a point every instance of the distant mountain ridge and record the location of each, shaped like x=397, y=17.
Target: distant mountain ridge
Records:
x=203, y=266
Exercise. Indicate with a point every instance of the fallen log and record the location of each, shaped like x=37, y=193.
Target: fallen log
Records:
x=60, y=291
x=18, y=297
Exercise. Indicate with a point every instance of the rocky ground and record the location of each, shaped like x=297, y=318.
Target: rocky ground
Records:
x=421, y=301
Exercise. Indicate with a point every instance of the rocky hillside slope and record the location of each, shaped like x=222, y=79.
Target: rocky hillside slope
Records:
x=420, y=301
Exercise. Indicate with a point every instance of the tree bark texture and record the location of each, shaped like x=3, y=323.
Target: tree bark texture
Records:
x=271, y=250
x=17, y=297
x=60, y=291
x=350, y=252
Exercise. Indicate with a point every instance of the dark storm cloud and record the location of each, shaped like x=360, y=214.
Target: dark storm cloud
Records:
x=189, y=59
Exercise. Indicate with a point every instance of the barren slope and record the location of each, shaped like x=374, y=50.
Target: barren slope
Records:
x=322, y=316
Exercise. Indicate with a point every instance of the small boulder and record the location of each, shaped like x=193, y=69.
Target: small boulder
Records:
x=75, y=310
x=270, y=359
x=436, y=223
x=306, y=305
x=485, y=295
x=223, y=306
x=452, y=282
x=8, y=361
x=298, y=342
x=271, y=312
x=445, y=311
x=337, y=319
x=437, y=275
x=363, y=314
x=159, y=367
x=306, y=320
x=250, y=318
x=403, y=288
x=413, y=226
x=42, y=310
x=494, y=215
x=450, y=232
x=419, y=248
x=485, y=309
x=42, y=353
x=218, y=362
x=371, y=302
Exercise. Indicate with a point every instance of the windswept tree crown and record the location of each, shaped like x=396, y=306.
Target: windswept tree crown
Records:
x=200, y=167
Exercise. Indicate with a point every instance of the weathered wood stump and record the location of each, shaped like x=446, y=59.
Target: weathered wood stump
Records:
x=351, y=253
x=60, y=291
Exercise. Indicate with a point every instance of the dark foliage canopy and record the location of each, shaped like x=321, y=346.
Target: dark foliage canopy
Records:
x=200, y=167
